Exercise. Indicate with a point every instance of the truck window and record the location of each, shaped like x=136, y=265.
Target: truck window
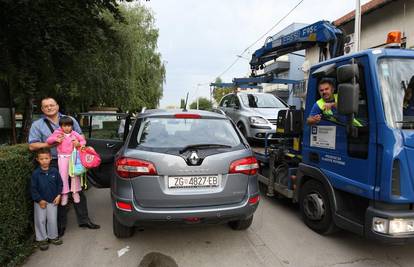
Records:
x=396, y=82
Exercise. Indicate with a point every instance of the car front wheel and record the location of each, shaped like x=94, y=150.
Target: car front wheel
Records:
x=120, y=230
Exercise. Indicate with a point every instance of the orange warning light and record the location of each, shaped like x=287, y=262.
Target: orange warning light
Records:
x=394, y=37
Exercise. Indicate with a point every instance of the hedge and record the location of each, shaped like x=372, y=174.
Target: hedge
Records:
x=16, y=207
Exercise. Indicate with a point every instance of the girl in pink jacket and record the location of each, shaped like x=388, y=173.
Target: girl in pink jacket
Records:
x=67, y=139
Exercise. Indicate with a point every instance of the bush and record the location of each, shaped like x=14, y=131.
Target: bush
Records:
x=16, y=207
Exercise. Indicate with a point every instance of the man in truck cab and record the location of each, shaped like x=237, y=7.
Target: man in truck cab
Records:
x=326, y=105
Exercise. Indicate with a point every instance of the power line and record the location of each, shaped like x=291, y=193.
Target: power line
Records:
x=260, y=38
x=274, y=26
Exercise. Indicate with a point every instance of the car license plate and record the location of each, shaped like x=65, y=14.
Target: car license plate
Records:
x=193, y=181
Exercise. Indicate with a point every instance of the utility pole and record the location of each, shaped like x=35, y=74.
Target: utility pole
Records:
x=357, y=28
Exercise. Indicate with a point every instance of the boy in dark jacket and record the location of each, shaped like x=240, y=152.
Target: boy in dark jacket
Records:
x=46, y=187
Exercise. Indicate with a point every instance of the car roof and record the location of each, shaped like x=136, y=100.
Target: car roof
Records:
x=172, y=112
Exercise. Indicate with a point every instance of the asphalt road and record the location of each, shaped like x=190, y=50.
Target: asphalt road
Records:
x=277, y=238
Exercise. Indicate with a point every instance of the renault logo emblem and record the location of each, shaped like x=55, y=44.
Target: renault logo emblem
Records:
x=193, y=158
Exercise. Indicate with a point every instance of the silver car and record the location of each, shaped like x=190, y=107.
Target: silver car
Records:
x=189, y=167
x=255, y=114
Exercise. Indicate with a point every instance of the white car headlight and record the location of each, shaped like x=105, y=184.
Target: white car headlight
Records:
x=258, y=120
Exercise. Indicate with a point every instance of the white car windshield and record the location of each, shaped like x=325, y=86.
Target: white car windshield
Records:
x=261, y=101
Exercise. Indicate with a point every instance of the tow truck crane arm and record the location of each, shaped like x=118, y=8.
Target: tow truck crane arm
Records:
x=321, y=33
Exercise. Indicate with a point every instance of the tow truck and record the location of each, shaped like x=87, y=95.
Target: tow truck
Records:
x=358, y=178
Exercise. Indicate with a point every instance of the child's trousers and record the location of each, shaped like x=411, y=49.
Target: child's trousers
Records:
x=63, y=163
x=45, y=221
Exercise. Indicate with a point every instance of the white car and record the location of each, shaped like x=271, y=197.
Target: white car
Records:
x=255, y=114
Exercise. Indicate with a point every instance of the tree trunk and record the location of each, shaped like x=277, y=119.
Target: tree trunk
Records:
x=27, y=119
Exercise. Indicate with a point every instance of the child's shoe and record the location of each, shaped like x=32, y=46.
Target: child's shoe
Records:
x=43, y=245
x=76, y=197
x=57, y=241
x=64, y=199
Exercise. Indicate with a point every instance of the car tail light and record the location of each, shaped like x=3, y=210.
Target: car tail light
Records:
x=129, y=167
x=254, y=200
x=247, y=166
x=124, y=206
x=187, y=116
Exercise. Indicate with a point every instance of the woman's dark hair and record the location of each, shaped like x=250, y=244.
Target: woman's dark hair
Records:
x=65, y=120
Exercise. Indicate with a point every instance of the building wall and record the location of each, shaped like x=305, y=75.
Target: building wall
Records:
x=375, y=26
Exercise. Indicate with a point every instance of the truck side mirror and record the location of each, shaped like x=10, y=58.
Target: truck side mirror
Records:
x=348, y=89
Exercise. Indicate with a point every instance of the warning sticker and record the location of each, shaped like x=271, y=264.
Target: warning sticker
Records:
x=323, y=136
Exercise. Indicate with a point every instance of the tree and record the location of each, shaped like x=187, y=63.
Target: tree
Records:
x=203, y=104
x=219, y=92
x=81, y=52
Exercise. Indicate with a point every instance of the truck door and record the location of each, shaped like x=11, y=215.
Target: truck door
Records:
x=106, y=133
x=347, y=158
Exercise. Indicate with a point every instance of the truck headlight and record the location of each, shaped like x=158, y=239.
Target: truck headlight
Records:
x=257, y=120
x=401, y=226
x=394, y=226
x=380, y=225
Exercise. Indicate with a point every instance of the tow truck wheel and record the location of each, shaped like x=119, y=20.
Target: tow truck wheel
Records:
x=315, y=208
x=121, y=231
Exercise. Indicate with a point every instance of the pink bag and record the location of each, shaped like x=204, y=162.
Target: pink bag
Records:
x=89, y=157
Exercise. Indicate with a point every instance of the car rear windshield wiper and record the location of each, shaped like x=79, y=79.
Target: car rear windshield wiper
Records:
x=202, y=146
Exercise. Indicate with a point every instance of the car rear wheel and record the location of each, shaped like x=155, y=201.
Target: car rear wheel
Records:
x=241, y=224
x=121, y=231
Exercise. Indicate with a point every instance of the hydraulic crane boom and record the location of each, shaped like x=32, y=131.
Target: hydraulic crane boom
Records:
x=321, y=33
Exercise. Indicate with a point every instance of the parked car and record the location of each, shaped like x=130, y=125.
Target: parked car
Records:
x=255, y=114
x=190, y=167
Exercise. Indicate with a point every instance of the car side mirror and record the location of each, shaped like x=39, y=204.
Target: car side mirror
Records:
x=348, y=89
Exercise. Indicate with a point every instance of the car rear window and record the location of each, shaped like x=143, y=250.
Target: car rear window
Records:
x=178, y=133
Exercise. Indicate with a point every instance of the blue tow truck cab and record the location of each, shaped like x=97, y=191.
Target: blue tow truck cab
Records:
x=355, y=177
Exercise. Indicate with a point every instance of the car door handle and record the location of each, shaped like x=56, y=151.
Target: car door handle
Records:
x=110, y=145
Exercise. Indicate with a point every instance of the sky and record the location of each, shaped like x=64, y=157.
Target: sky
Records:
x=198, y=40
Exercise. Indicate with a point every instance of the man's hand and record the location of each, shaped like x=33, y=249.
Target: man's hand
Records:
x=329, y=106
x=42, y=204
x=56, y=201
x=60, y=138
x=76, y=143
x=314, y=119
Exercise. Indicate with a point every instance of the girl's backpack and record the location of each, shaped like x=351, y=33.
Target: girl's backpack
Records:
x=75, y=165
x=89, y=157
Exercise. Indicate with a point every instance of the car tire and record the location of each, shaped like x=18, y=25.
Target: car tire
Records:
x=315, y=208
x=241, y=224
x=121, y=231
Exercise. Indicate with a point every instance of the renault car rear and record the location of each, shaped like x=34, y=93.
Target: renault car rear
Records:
x=184, y=167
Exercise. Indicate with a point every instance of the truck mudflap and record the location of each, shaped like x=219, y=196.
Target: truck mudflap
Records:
x=389, y=226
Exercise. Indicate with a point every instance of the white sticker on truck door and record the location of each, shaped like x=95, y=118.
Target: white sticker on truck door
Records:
x=323, y=137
